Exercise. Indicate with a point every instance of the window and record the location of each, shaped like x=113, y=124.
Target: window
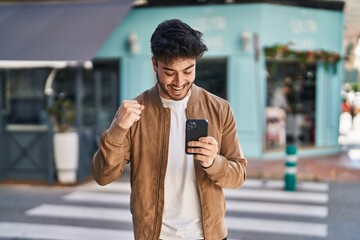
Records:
x=290, y=112
x=99, y=91
x=211, y=74
x=24, y=96
x=107, y=74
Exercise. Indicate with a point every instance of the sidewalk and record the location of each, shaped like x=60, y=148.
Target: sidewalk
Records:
x=334, y=168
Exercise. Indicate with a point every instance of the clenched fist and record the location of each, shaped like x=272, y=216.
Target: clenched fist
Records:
x=128, y=113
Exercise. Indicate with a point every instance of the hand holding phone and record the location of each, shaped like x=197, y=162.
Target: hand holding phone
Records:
x=195, y=129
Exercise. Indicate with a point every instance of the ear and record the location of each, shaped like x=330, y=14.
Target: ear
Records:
x=153, y=60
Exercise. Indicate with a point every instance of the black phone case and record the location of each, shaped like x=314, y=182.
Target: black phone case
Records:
x=195, y=128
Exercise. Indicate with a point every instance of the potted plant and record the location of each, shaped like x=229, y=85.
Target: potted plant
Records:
x=65, y=139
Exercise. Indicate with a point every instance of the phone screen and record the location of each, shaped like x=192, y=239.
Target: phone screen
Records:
x=195, y=128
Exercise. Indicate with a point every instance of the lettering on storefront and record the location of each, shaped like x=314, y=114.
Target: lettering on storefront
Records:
x=301, y=26
x=210, y=24
x=204, y=24
x=305, y=30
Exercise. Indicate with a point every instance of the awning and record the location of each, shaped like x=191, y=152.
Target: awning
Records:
x=321, y=4
x=70, y=31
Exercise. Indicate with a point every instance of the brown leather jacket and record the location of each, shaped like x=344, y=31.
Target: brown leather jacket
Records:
x=145, y=147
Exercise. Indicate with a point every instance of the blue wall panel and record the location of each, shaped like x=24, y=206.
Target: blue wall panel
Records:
x=245, y=96
x=137, y=77
x=307, y=28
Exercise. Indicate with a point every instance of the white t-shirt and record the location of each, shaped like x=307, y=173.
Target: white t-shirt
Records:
x=182, y=213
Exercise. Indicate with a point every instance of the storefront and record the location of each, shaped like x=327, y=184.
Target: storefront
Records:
x=51, y=84
x=237, y=68
x=28, y=125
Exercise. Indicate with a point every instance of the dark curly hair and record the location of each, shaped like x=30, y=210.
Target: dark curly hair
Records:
x=173, y=39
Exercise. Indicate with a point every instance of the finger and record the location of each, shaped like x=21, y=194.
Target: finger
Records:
x=137, y=118
x=209, y=140
x=129, y=103
x=200, y=158
x=132, y=104
x=135, y=110
x=136, y=105
x=201, y=151
x=200, y=145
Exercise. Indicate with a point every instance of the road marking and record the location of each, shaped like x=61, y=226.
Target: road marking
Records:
x=91, y=213
x=277, y=208
x=249, y=183
x=235, y=206
x=112, y=187
x=95, y=197
x=277, y=195
x=278, y=227
x=45, y=231
x=242, y=193
x=277, y=184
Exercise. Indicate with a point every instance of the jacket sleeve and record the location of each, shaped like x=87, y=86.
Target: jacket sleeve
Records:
x=229, y=167
x=110, y=159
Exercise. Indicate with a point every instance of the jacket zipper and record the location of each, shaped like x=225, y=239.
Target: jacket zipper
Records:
x=198, y=188
x=159, y=176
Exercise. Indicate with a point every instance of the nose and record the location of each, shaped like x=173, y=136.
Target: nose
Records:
x=179, y=79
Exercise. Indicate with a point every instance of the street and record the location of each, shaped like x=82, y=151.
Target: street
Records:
x=259, y=210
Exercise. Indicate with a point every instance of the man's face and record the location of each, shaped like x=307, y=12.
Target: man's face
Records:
x=176, y=78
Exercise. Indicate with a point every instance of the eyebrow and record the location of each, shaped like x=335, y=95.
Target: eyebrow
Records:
x=170, y=69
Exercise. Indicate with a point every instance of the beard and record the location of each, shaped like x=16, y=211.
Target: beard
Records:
x=172, y=97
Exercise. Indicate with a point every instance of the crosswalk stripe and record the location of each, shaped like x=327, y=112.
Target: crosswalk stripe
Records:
x=249, y=183
x=92, y=213
x=45, y=231
x=242, y=193
x=112, y=187
x=277, y=195
x=277, y=208
x=235, y=206
x=277, y=184
x=276, y=226
x=95, y=197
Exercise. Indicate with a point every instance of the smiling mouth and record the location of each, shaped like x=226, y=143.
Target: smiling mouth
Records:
x=177, y=89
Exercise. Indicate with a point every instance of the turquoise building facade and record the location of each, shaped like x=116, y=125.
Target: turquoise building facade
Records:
x=238, y=33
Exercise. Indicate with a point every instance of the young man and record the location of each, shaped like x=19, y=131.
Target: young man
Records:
x=174, y=195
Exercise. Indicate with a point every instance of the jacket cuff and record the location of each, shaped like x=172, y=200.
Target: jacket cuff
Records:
x=215, y=167
x=116, y=133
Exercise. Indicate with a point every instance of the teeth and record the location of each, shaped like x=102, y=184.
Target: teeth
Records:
x=177, y=88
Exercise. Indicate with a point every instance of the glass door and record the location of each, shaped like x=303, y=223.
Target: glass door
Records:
x=107, y=90
x=290, y=110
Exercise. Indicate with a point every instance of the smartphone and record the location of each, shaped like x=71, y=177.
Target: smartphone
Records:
x=195, y=128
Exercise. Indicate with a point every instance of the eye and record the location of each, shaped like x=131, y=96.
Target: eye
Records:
x=169, y=74
x=188, y=72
